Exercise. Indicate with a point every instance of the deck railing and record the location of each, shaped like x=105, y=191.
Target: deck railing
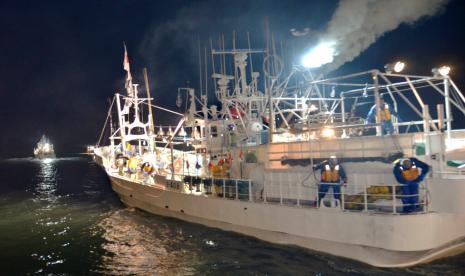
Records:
x=382, y=198
x=227, y=188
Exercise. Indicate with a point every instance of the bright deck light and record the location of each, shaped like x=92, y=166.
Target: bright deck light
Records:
x=441, y=71
x=320, y=55
x=397, y=67
x=327, y=132
x=444, y=70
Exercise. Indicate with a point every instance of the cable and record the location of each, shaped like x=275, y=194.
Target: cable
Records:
x=105, y=124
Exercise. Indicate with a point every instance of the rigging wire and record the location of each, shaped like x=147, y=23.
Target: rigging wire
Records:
x=106, y=120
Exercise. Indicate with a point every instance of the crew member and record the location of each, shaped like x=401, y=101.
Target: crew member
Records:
x=407, y=172
x=147, y=171
x=332, y=174
x=132, y=167
x=384, y=117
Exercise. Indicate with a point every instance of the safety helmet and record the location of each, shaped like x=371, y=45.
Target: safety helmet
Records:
x=406, y=163
x=333, y=159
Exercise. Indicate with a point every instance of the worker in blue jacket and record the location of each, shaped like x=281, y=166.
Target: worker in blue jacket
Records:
x=384, y=117
x=332, y=174
x=407, y=172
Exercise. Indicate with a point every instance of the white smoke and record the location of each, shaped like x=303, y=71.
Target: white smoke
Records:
x=356, y=24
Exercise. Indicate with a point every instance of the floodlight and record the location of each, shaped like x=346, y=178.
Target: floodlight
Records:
x=328, y=132
x=320, y=55
x=397, y=67
x=441, y=71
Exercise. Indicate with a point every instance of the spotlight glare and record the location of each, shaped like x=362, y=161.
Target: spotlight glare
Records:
x=328, y=132
x=320, y=55
x=399, y=66
x=441, y=71
x=444, y=70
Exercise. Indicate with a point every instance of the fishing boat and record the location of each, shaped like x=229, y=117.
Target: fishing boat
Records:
x=44, y=149
x=245, y=163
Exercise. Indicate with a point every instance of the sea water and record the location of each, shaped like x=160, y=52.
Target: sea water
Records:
x=60, y=217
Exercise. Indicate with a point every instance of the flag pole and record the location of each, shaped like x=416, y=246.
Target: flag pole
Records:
x=147, y=88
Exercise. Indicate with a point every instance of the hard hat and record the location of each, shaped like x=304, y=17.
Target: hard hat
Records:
x=333, y=159
x=406, y=163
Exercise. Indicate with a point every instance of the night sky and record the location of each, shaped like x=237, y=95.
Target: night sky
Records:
x=62, y=60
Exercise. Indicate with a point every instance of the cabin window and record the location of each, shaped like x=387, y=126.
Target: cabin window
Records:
x=214, y=131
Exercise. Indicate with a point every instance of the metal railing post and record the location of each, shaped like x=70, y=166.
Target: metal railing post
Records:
x=343, y=190
x=237, y=190
x=211, y=187
x=250, y=190
x=265, y=185
x=224, y=188
x=425, y=197
x=365, y=198
x=394, y=200
x=318, y=195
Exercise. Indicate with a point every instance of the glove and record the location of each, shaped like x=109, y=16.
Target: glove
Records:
x=344, y=183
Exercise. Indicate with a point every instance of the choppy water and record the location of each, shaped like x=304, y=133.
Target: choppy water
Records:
x=62, y=218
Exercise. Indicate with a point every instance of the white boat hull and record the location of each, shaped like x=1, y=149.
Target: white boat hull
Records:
x=376, y=239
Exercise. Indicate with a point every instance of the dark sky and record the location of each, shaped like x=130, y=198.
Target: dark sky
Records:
x=61, y=60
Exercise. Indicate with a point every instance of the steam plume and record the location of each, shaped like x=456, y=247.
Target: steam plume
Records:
x=356, y=24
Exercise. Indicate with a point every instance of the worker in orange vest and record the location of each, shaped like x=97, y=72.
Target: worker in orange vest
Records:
x=332, y=175
x=407, y=172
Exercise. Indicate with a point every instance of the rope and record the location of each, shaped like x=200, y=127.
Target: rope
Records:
x=164, y=109
x=308, y=176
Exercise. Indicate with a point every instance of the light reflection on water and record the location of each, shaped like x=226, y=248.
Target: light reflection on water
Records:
x=53, y=225
x=47, y=210
x=134, y=246
x=46, y=182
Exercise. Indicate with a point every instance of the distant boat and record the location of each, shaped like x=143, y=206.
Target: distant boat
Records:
x=44, y=149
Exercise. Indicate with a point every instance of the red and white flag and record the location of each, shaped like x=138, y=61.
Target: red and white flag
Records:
x=126, y=63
